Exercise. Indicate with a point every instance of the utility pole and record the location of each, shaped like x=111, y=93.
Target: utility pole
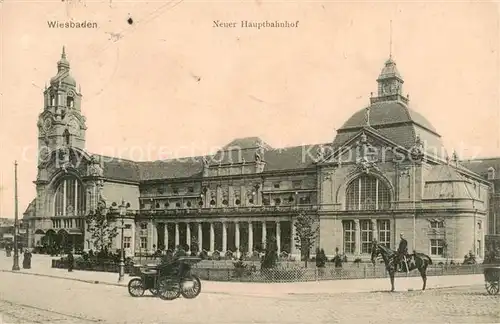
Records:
x=15, y=266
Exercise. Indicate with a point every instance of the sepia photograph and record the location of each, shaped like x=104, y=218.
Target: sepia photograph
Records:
x=249, y=161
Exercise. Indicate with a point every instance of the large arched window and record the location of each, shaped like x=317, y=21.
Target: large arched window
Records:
x=367, y=193
x=69, y=198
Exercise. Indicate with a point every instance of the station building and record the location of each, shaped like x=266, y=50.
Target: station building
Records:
x=385, y=172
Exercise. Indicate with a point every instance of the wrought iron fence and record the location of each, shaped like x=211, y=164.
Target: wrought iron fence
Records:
x=252, y=273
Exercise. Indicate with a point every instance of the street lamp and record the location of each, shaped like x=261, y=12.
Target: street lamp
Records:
x=123, y=213
x=15, y=265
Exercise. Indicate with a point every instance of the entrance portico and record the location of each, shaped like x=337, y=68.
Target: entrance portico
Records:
x=222, y=235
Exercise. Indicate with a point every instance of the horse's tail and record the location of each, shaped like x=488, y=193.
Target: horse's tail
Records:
x=423, y=257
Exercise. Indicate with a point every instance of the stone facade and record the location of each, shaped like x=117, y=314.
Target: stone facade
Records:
x=384, y=173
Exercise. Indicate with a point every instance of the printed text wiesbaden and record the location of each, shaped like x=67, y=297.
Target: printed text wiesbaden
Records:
x=71, y=24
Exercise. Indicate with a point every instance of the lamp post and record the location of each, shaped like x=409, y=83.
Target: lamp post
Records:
x=123, y=213
x=15, y=266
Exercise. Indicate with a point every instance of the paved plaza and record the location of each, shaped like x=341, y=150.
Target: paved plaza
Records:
x=26, y=298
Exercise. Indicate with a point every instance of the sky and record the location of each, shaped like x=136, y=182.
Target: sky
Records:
x=172, y=85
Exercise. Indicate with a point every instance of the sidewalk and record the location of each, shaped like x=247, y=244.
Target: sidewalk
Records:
x=41, y=267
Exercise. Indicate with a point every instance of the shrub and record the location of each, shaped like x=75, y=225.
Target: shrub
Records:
x=270, y=259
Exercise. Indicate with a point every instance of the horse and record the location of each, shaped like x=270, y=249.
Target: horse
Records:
x=414, y=261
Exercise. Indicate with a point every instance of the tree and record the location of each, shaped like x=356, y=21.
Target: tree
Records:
x=101, y=231
x=270, y=258
x=306, y=232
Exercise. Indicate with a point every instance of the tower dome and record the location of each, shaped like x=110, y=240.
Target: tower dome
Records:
x=391, y=116
x=63, y=75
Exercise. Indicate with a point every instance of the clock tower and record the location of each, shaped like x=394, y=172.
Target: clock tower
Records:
x=61, y=124
x=390, y=84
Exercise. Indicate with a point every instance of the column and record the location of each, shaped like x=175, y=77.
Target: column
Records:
x=212, y=238
x=224, y=237
x=293, y=249
x=200, y=237
x=64, y=198
x=188, y=235
x=75, y=203
x=250, y=237
x=237, y=238
x=278, y=236
x=374, y=229
x=176, y=235
x=155, y=237
x=166, y=235
x=357, y=240
x=264, y=234
x=149, y=246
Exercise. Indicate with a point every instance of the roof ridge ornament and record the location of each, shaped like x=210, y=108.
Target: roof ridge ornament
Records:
x=367, y=116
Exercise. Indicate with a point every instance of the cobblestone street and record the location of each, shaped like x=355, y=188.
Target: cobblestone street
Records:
x=26, y=298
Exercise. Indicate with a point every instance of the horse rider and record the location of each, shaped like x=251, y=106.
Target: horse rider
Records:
x=402, y=251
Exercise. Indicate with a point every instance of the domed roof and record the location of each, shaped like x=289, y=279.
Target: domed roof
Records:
x=387, y=113
x=390, y=70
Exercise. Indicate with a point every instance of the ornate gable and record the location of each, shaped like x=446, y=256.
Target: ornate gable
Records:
x=366, y=149
x=63, y=159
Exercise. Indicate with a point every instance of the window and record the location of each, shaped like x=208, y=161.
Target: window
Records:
x=67, y=137
x=212, y=202
x=69, y=102
x=127, y=240
x=290, y=199
x=128, y=226
x=144, y=242
x=296, y=184
x=190, y=189
x=366, y=236
x=306, y=200
x=276, y=185
x=367, y=193
x=167, y=204
x=437, y=247
x=188, y=204
x=349, y=237
x=384, y=233
x=144, y=226
x=69, y=198
x=177, y=204
x=157, y=205
x=237, y=202
x=160, y=190
x=225, y=202
x=250, y=200
x=175, y=190
x=277, y=201
x=437, y=224
x=479, y=225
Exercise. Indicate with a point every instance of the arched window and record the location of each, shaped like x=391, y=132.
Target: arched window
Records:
x=69, y=102
x=367, y=193
x=67, y=137
x=69, y=198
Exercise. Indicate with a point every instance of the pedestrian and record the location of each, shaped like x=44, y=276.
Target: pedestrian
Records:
x=71, y=261
x=27, y=259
